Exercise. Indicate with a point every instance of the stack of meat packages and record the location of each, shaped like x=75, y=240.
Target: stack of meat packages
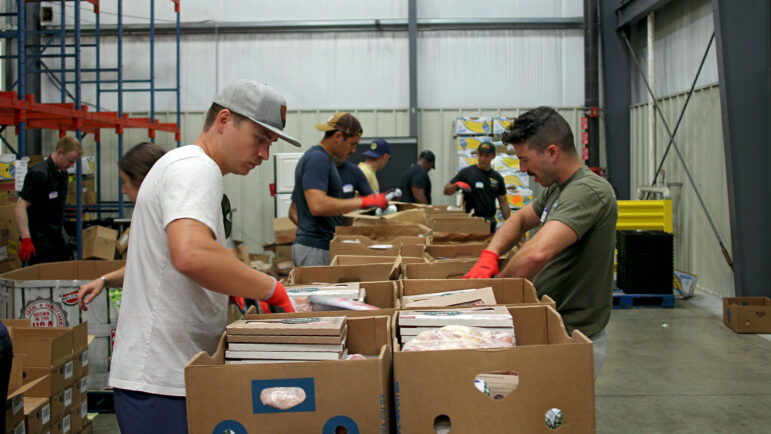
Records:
x=321, y=297
x=286, y=340
x=460, y=328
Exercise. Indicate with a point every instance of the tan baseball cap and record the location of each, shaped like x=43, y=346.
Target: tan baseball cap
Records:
x=343, y=122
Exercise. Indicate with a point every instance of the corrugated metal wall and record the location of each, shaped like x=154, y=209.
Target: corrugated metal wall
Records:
x=700, y=139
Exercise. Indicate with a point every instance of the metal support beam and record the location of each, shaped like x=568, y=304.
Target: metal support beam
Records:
x=631, y=11
x=617, y=85
x=211, y=28
x=743, y=42
x=413, y=60
x=592, y=78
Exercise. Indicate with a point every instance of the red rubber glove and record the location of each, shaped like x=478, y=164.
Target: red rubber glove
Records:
x=27, y=249
x=485, y=268
x=378, y=200
x=463, y=186
x=279, y=301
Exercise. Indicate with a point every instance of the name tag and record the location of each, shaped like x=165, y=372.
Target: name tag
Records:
x=479, y=184
x=53, y=195
x=347, y=188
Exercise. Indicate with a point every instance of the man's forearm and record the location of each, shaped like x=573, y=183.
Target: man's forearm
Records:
x=22, y=220
x=506, y=237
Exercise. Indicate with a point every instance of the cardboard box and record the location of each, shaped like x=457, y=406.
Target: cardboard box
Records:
x=88, y=186
x=61, y=403
x=227, y=397
x=37, y=414
x=444, y=269
x=14, y=406
x=62, y=425
x=80, y=389
x=385, y=232
x=344, y=273
x=358, y=245
x=500, y=124
x=471, y=143
x=444, y=238
x=99, y=242
x=47, y=294
x=121, y=244
x=43, y=347
x=406, y=213
x=445, y=210
x=284, y=230
x=383, y=294
x=455, y=251
x=470, y=125
x=8, y=194
x=507, y=291
x=87, y=428
x=747, y=314
x=54, y=379
x=79, y=416
x=81, y=363
x=468, y=225
x=554, y=371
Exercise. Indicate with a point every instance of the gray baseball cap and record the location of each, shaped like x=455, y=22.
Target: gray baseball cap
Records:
x=258, y=102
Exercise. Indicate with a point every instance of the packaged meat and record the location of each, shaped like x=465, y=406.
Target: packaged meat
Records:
x=457, y=337
x=282, y=398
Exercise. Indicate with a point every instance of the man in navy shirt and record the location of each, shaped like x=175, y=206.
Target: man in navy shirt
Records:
x=415, y=183
x=319, y=190
x=481, y=187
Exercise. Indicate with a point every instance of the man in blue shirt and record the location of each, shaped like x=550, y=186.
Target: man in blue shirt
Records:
x=319, y=190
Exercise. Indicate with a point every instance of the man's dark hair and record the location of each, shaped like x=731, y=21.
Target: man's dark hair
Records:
x=330, y=133
x=214, y=110
x=539, y=128
x=138, y=160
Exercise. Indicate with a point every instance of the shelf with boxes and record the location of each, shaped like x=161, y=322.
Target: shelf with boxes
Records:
x=470, y=132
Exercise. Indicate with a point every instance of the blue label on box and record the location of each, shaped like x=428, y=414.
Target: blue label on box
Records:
x=340, y=421
x=306, y=384
x=229, y=426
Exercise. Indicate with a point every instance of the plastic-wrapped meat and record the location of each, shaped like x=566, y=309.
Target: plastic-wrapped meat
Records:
x=282, y=398
x=301, y=304
x=354, y=357
x=457, y=337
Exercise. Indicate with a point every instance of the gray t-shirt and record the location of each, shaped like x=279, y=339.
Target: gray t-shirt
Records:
x=580, y=278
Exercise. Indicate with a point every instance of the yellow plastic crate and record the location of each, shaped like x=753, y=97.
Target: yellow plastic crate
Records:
x=645, y=214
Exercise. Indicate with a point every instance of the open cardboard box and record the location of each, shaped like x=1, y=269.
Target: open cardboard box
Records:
x=747, y=314
x=554, y=371
x=442, y=269
x=385, y=232
x=284, y=230
x=406, y=213
x=344, y=273
x=506, y=290
x=455, y=251
x=459, y=238
x=359, y=245
x=467, y=225
x=363, y=260
x=383, y=294
x=353, y=394
x=14, y=408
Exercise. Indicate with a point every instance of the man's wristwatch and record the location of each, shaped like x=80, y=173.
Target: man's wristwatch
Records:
x=104, y=279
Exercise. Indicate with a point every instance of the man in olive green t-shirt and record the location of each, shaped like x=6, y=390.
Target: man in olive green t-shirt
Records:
x=570, y=259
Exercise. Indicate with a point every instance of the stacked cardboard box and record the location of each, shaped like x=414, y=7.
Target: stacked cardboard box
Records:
x=53, y=360
x=284, y=230
x=747, y=314
x=405, y=213
x=280, y=340
x=9, y=239
x=359, y=245
x=507, y=291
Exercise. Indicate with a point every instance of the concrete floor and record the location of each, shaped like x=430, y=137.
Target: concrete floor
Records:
x=671, y=371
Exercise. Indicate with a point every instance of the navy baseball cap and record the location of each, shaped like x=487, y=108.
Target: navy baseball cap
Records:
x=486, y=147
x=378, y=148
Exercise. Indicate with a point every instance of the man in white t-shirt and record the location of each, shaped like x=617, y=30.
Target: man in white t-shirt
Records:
x=177, y=282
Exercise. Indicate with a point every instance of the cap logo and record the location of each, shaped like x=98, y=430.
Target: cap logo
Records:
x=283, y=116
x=373, y=146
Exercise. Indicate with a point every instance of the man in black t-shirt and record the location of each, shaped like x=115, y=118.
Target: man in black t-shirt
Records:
x=481, y=186
x=415, y=183
x=39, y=210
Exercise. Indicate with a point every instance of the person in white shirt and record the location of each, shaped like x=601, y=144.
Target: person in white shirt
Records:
x=178, y=272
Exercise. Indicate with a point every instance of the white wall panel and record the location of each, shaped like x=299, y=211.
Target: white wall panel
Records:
x=682, y=31
x=700, y=139
x=514, y=68
x=499, y=8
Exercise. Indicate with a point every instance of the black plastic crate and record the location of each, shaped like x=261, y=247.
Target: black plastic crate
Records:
x=645, y=262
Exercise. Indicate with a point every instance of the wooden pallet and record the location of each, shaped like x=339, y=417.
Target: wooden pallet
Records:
x=628, y=301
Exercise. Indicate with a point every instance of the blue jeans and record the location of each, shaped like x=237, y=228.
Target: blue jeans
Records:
x=140, y=412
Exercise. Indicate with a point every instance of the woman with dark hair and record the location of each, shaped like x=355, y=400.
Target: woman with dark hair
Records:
x=132, y=168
